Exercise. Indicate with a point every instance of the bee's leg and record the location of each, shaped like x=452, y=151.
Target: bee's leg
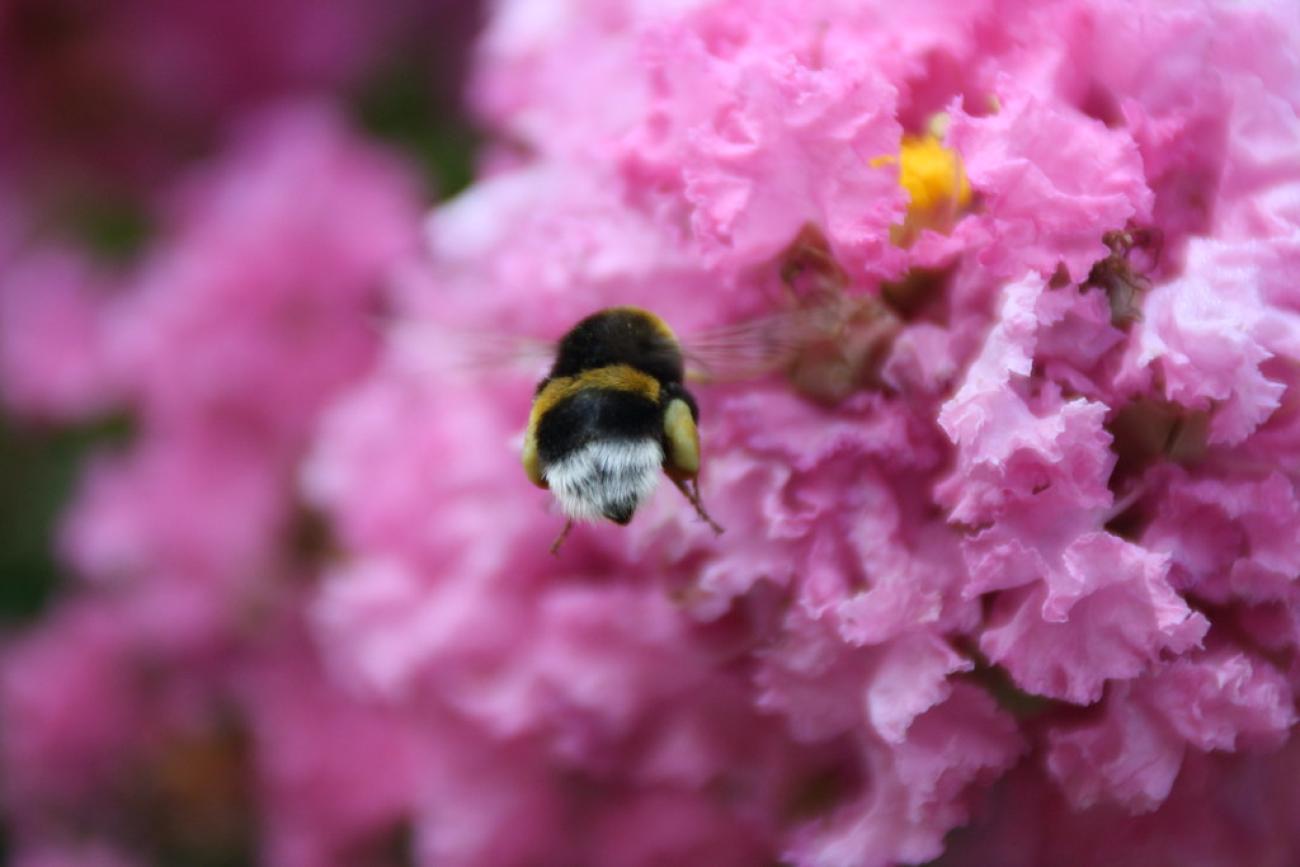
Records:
x=692, y=493
x=682, y=461
x=559, y=540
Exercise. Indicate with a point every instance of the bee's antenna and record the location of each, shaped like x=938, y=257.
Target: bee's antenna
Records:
x=692, y=493
x=559, y=540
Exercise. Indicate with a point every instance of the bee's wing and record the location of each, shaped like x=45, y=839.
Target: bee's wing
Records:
x=755, y=347
x=441, y=349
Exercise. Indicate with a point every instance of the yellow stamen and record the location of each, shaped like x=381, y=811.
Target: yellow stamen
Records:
x=935, y=181
x=932, y=175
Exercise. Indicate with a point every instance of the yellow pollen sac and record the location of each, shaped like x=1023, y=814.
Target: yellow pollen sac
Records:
x=935, y=182
x=932, y=175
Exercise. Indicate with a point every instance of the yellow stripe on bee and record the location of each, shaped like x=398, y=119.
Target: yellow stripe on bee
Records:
x=532, y=463
x=617, y=377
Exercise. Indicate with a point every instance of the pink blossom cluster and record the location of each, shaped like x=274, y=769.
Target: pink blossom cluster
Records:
x=1024, y=594
x=176, y=695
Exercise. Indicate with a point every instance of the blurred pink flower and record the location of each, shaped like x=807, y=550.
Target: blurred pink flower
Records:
x=1030, y=567
x=70, y=707
x=1208, y=700
x=79, y=854
x=180, y=679
x=1223, y=809
x=51, y=354
x=105, y=729
x=117, y=97
x=336, y=779
x=1015, y=513
x=93, y=724
x=254, y=307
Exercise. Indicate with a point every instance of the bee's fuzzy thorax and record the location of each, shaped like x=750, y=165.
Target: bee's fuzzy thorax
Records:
x=620, y=336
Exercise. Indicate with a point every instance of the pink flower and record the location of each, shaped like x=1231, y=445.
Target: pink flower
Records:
x=251, y=312
x=1048, y=177
x=104, y=727
x=758, y=141
x=1015, y=549
x=120, y=97
x=982, y=510
x=100, y=731
x=1132, y=753
x=139, y=521
x=336, y=778
x=1208, y=336
x=179, y=680
x=52, y=358
x=259, y=294
x=1222, y=809
x=71, y=710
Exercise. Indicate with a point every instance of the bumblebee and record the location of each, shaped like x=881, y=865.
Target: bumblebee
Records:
x=611, y=416
x=613, y=413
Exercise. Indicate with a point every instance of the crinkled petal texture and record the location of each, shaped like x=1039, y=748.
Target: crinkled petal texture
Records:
x=1049, y=176
x=756, y=143
x=1210, y=336
x=1051, y=513
x=1012, y=543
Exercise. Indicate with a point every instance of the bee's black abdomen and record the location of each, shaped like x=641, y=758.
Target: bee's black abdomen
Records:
x=593, y=414
x=621, y=335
